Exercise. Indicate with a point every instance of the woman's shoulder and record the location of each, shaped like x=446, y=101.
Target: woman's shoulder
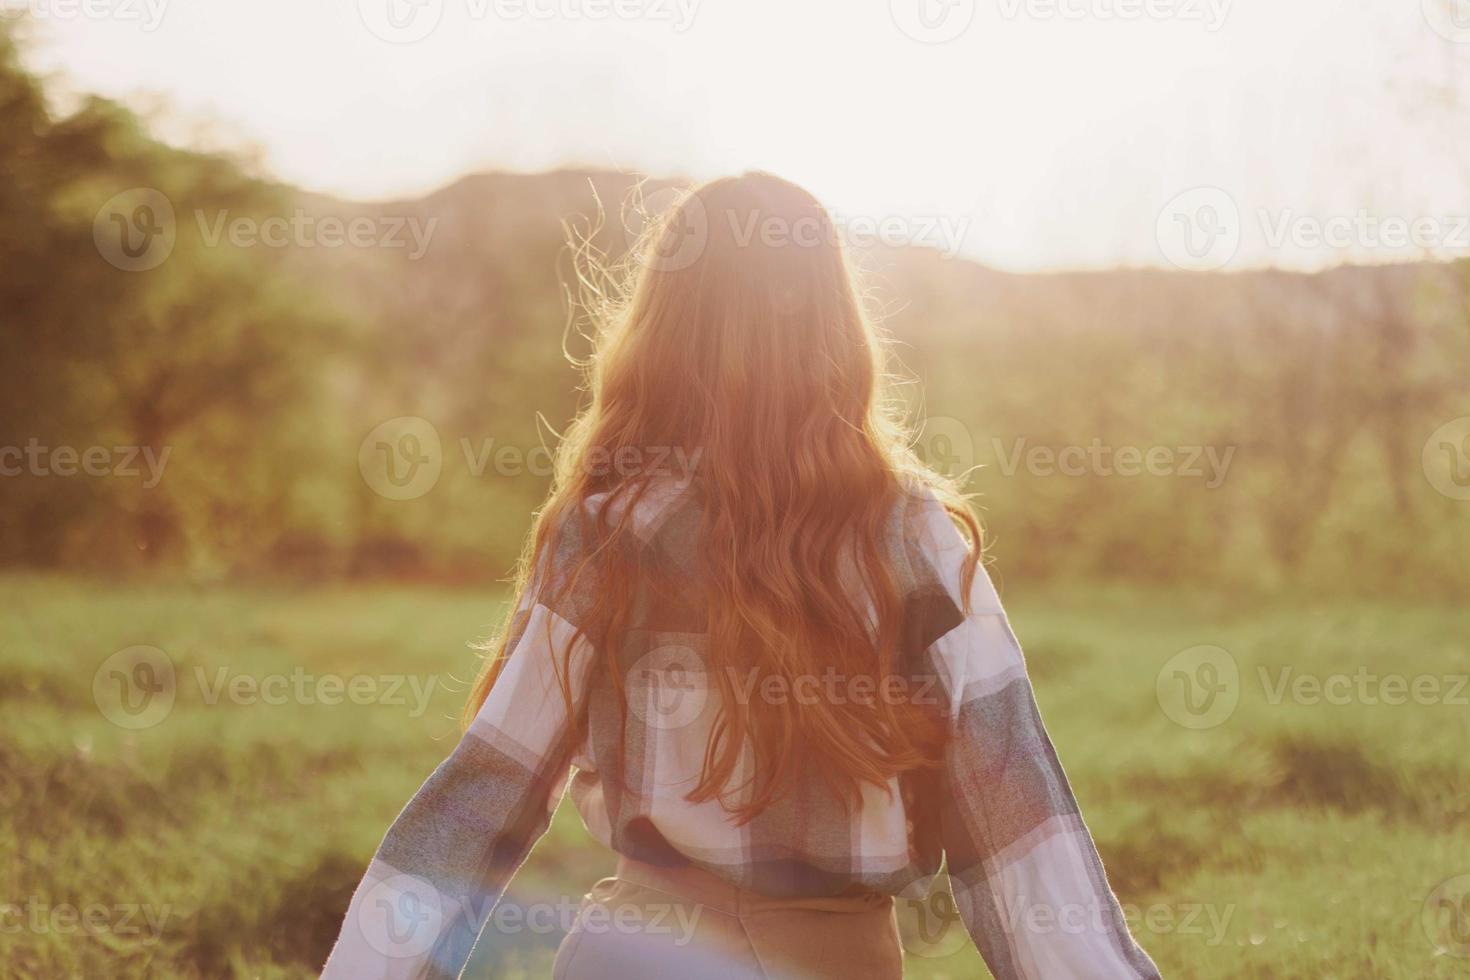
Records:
x=922, y=522
x=935, y=548
x=631, y=518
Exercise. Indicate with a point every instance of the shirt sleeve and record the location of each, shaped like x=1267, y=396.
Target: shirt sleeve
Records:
x=447, y=858
x=1026, y=876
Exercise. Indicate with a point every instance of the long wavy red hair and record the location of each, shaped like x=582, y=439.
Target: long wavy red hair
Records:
x=735, y=334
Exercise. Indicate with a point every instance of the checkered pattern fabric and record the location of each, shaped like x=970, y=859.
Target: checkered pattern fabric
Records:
x=1026, y=877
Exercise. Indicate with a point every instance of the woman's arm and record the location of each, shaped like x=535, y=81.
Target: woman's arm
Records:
x=1026, y=876
x=447, y=858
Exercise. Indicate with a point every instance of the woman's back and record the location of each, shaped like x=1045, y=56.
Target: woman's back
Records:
x=644, y=752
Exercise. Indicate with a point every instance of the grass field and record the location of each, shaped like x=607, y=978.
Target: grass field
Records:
x=1300, y=835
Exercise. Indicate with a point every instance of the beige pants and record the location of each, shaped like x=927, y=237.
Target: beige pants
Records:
x=652, y=923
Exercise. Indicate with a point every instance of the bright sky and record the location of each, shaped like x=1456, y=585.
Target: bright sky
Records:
x=1028, y=134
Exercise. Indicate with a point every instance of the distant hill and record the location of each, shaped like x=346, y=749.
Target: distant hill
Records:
x=332, y=388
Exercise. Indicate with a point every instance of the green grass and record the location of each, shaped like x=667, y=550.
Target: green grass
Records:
x=1292, y=840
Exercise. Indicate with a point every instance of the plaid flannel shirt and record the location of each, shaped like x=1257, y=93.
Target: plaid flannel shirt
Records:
x=1026, y=877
